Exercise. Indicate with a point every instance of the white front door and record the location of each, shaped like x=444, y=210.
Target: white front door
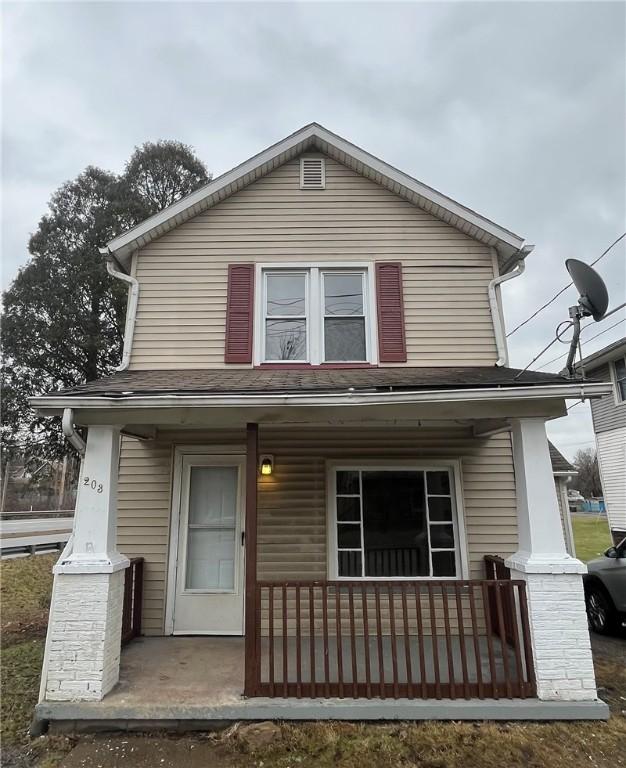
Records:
x=209, y=582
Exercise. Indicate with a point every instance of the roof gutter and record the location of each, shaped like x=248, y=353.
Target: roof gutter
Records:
x=517, y=261
x=115, y=270
x=222, y=400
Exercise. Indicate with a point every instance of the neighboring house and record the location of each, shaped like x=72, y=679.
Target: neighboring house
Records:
x=563, y=472
x=320, y=444
x=609, y=424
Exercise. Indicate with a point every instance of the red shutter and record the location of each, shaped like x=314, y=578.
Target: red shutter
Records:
x=239, y=312
x=391, y=336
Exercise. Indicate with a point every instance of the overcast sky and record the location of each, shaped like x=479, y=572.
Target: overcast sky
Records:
x=514, y=109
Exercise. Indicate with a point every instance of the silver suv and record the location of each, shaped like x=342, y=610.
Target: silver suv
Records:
x=605, y=590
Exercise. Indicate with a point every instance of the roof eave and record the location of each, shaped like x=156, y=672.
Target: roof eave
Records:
x=47, y=403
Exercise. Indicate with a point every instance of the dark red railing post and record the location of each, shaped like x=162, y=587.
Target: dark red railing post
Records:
x=251, y=675
x=133, y=600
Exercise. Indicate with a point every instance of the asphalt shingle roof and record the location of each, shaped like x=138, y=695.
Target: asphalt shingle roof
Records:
x=314, y=380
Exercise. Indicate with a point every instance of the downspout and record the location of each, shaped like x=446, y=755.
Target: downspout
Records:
x=68, y=430
x=114, y=269
x=498, y=324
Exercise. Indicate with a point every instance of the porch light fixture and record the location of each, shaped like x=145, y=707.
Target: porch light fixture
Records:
x=267, y=464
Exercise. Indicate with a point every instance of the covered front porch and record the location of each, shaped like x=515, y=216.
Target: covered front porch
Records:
x=332, y=624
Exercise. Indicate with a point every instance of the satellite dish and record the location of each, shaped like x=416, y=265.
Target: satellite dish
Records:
x=593, y=301
x=594, y=297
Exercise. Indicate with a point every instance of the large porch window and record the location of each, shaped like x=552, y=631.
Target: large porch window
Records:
x=394, y=523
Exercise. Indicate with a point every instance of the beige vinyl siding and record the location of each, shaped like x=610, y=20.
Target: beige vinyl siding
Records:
x=292, y=502
x=606, y=412
x=183, y=275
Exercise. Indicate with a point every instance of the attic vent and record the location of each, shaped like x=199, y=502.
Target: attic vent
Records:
x=312, y=173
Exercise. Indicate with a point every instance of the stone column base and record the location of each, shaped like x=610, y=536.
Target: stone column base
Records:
x=559, y=635
x=84, y=635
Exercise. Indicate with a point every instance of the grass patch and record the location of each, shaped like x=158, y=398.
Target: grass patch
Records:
x=25, y=587
x=445, y=745
x=591, y=536
x=21, y=667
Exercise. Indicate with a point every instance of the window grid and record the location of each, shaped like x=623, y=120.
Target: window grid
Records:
x=429, y=524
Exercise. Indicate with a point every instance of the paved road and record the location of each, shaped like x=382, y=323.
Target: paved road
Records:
x=33, y=534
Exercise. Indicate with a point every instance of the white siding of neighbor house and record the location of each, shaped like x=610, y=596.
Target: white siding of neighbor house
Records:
x=612, y=461
x=606, y=412
x=183, y=275
x=292, y=502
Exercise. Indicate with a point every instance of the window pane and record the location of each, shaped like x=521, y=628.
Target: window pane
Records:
x=213, y=496
x=444, y=564
x=440, y=508
x=285, y=339
x=441, y=536
x=344, y=338
x=438, y=482
x=285, y=294
x=210, y=559
x=350, y=564
x=349, y=536
x=620, y=369
x=348, y=509
x=343, y=294
x=394, y=524
x=348, y=482
x=622, y=389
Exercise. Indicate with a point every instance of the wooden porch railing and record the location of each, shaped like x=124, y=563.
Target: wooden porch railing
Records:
x=392, y=639
x=133, y=598
x=497, y=570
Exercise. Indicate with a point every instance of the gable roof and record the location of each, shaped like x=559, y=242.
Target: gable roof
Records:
x=606, y=354
x=315, y=137
x=560, y=465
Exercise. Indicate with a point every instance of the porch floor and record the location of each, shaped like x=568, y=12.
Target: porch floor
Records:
x=191, y=683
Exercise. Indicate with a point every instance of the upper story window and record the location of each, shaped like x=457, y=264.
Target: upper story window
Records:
x=316, y=315
x=619, y=368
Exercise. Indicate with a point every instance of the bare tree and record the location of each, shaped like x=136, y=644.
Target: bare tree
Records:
x=588, y=480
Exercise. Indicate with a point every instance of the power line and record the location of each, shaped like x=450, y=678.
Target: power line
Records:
x=595, y=336
x=556, y=296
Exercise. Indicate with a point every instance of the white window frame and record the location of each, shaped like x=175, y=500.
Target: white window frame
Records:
x=315, y=310
x=458, y=515
x=616, y=393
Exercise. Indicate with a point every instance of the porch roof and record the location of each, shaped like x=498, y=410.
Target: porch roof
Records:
x=259, y=381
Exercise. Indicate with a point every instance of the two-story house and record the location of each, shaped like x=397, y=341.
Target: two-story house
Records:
x=310, y=453
x=609, y=424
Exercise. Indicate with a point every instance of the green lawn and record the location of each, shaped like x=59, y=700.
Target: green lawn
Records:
x=591, y=536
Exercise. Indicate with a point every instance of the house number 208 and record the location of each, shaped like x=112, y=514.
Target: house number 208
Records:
x=93, y=484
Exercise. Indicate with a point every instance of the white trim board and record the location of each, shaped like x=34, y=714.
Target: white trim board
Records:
x=316, y=137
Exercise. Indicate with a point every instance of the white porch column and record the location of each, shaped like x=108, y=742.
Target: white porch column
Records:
x=558, y=622
x=82, y=654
